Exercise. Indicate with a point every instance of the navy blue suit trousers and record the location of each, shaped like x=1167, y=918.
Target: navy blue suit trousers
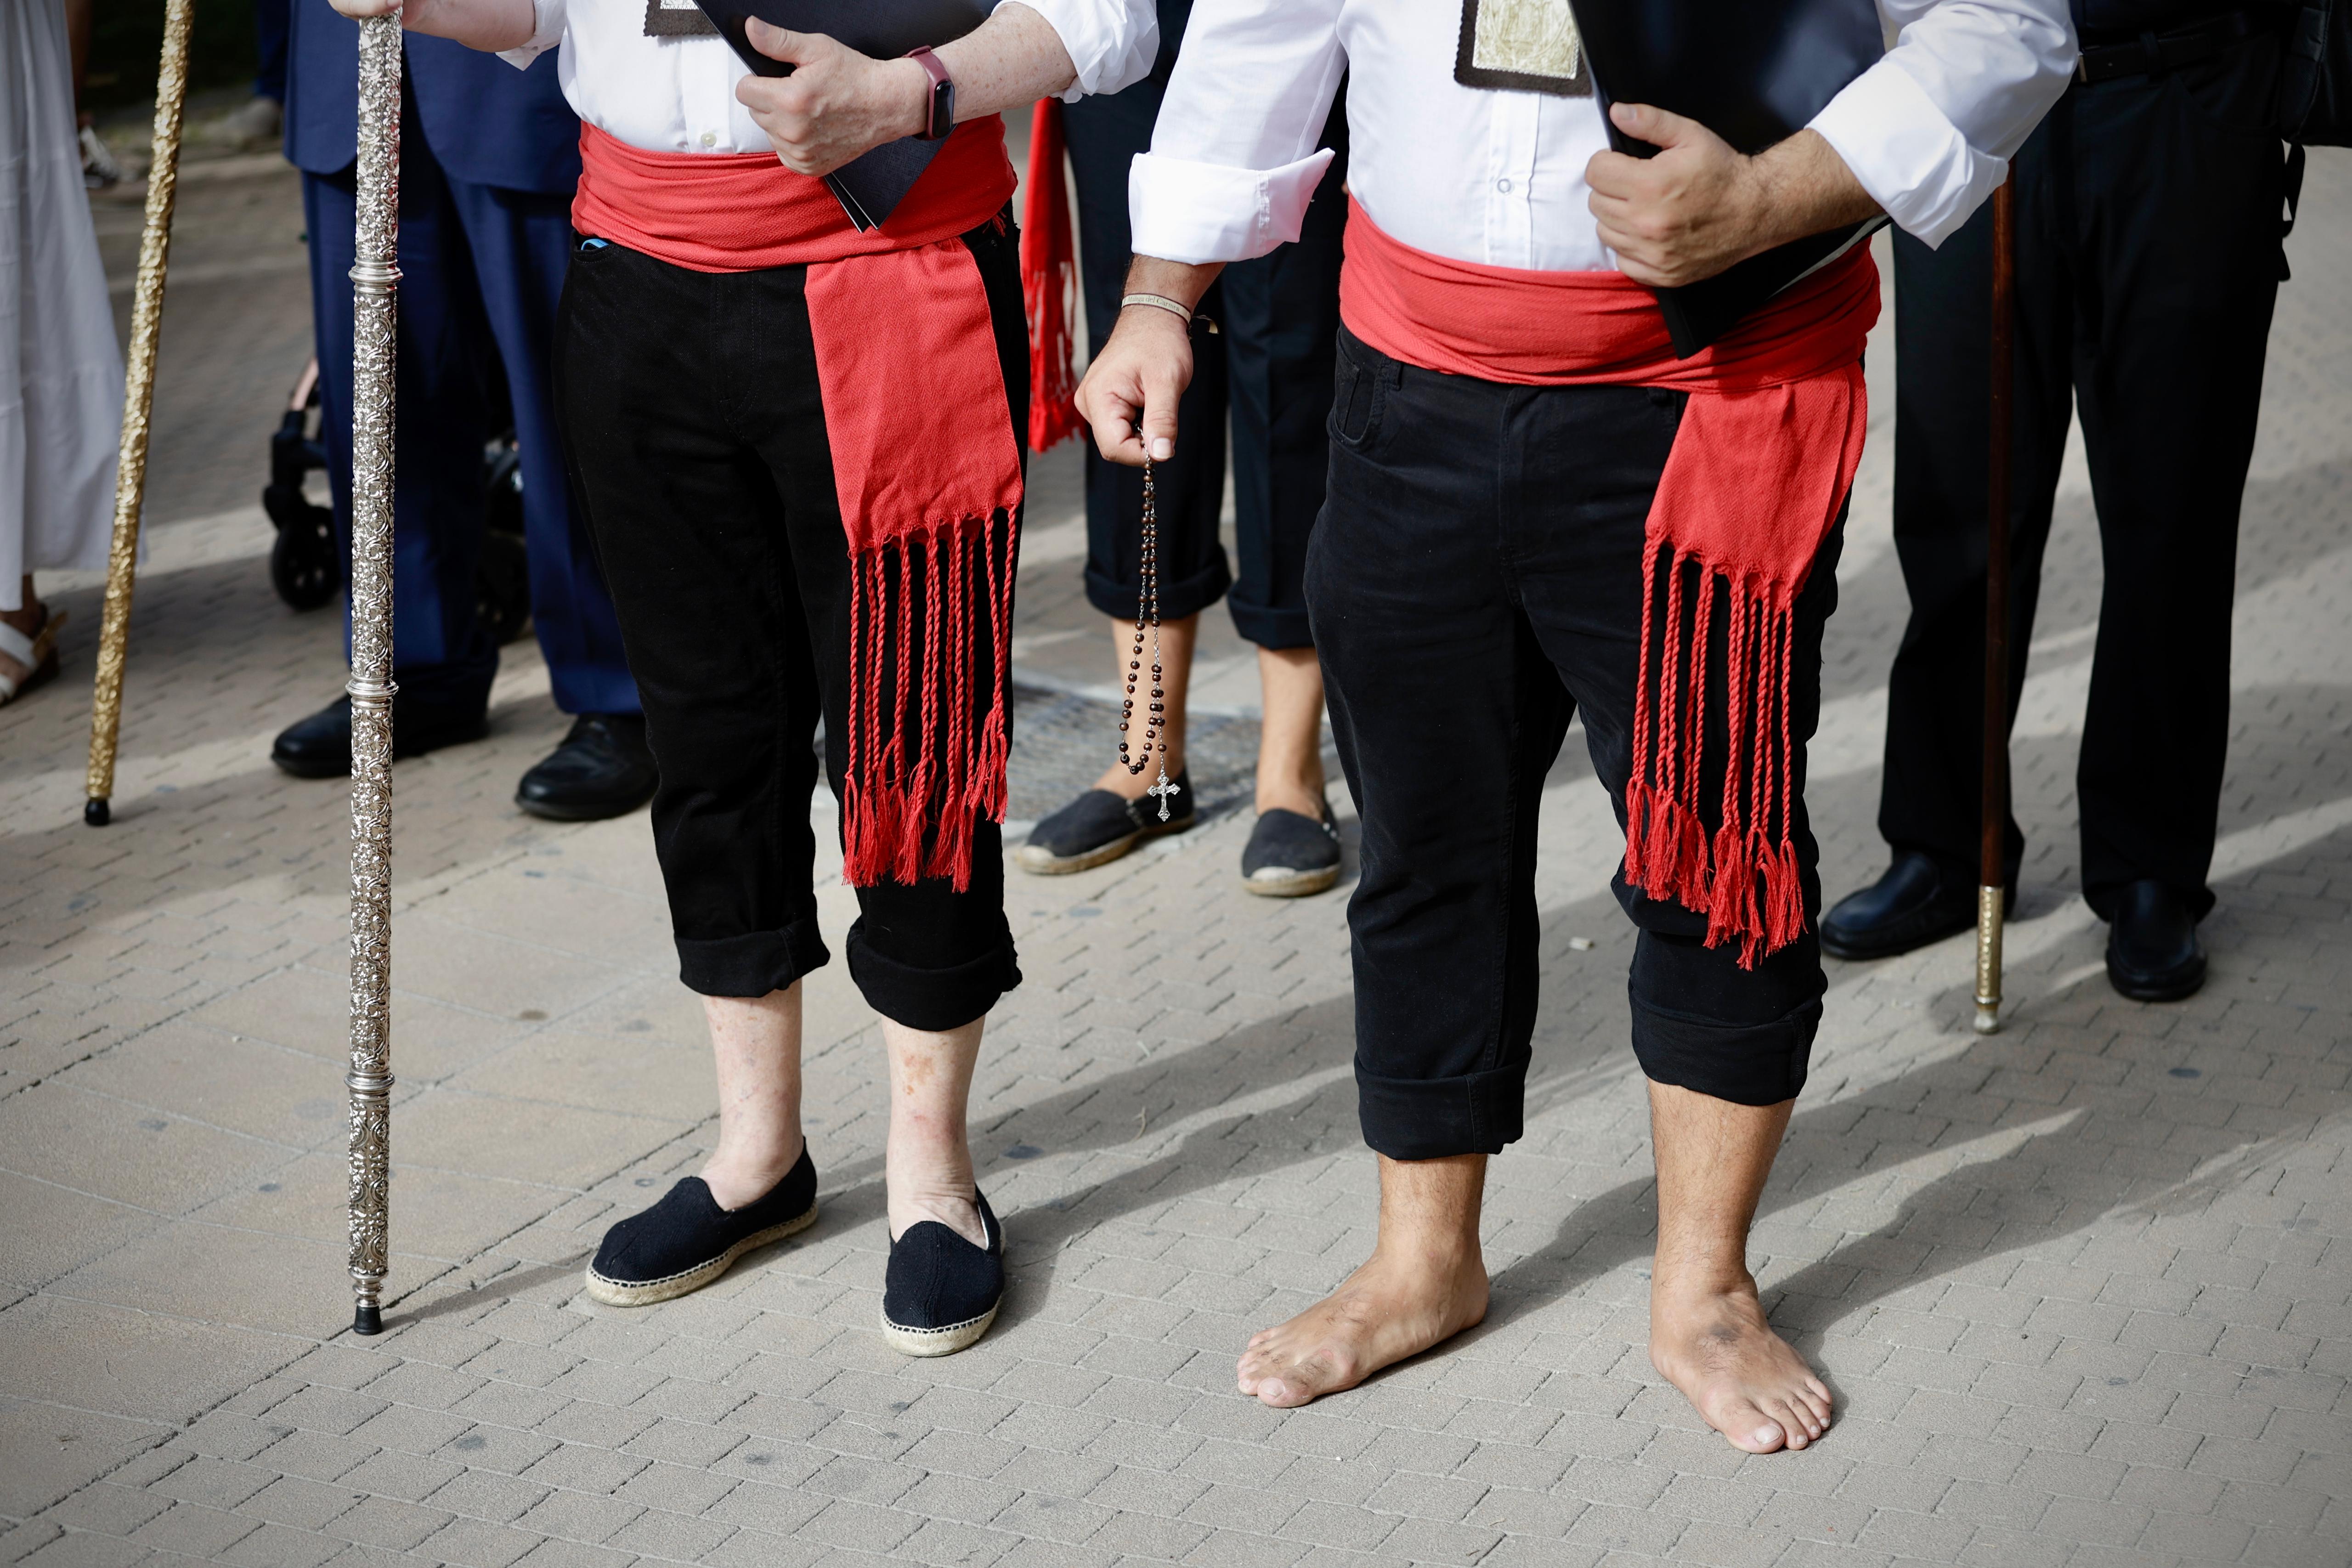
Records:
x=488, y=162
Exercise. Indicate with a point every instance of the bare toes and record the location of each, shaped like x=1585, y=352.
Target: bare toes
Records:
x=1746, y=1425
x=1277, y=1394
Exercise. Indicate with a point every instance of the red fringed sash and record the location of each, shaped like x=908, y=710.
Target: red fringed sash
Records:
x=1761, y=465
x=1049, y=283
x=925, y=461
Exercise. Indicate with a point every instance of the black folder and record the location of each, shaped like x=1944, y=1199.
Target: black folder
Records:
x=870, y=185
x=1752, y=71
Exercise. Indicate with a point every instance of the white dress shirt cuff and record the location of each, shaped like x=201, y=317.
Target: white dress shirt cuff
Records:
x=1113, y=43
x=1196, y=213
x=546, y=32
x=1907, y=153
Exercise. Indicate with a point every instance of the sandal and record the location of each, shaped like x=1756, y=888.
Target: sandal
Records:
x=36, y=655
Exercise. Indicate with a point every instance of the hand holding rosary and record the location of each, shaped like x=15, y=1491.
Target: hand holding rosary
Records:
x=1155, y=729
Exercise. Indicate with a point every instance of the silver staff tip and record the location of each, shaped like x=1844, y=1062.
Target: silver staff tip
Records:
x=1988, y=1017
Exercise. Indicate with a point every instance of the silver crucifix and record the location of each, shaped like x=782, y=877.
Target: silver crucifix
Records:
x=1164, y=791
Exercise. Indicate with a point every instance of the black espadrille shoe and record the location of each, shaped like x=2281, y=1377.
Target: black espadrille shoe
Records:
x=940, y=1292
x=1098, y=827
x=687, y=1240
x=1291, y=854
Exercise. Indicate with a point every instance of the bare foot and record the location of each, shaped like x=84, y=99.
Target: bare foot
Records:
x=1397, y=1305
x=1736, y=1372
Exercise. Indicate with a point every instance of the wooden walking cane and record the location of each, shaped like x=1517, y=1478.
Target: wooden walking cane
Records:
x=1991, y=876
x=374, y=276
x=138, y=400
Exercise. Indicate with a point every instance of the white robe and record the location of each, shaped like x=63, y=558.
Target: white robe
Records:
x=61, y=366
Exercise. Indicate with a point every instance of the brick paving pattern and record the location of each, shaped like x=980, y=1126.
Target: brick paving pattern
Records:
x=2084, y=1289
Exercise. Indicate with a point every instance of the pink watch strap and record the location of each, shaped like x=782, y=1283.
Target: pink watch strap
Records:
x=942, y=100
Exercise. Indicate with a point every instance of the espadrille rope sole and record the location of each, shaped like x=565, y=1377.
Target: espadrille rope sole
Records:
x=937, y=1342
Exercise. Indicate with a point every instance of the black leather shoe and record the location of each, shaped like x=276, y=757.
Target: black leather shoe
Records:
x=1915, y=903
x=940, y=1292
x=2153, y=954
x=1100, y=826
x=319, y=747
x=687, y=1240
x=603, y=769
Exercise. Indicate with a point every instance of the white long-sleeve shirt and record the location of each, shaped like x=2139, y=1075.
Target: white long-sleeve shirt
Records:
x=677, y=95
x=1498, y=177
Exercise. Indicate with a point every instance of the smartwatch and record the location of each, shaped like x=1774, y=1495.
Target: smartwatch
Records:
x=942, y=117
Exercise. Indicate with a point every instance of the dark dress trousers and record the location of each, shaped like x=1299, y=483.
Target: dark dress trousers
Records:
x=1270, y=363
x=490, y=156
x=2148, y=260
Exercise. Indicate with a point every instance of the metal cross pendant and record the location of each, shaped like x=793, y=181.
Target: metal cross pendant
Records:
x=1164, y=792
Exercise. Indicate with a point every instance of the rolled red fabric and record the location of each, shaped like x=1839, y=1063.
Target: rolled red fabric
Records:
x=926, y=466
x=1760, y=467
x=741, y=212
x=1049, y=283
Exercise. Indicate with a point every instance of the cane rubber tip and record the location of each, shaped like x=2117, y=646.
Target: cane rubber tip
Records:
x=367, y=1320
x=96, y=812
x=1988, y=1019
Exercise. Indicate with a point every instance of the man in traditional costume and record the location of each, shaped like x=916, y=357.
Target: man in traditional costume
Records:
x=2148, y=261
x=1535, y=510
x=795, y=442
x=1268, y=366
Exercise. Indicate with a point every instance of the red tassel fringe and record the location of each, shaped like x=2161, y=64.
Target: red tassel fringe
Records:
x=1745, y=879
x=1049, y=284
x=923, y=765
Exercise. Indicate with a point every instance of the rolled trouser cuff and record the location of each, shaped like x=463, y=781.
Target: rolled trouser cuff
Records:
x=1433, y=1118
x=753, y=963
x=1122, y=601
x=1271, y=627
x=933, y=999
x=1747, y=1064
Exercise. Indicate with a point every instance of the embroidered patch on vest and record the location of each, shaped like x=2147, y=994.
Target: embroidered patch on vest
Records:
x=677, y=19
x=1521, y=45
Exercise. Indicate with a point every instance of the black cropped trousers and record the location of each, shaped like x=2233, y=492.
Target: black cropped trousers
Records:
x=1476, y=582
x=696, y=436
x=1266, y=371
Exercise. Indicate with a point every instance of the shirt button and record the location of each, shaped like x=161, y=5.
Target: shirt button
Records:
x=710, y=139
x=1503, y=187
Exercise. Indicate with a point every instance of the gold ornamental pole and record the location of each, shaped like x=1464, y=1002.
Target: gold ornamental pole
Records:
x=374, y=276
x=138, y=400
x=1992, y=873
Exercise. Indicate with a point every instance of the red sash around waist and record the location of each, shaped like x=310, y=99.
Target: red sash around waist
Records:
x=1759, y=470
x=925, y=463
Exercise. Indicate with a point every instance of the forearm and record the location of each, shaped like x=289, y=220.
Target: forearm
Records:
x=490, y=24
x=1009, y=61
x=1806, y=189
x=1181, y=281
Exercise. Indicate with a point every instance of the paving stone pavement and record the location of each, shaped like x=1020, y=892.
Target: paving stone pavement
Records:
x=2084, y=1289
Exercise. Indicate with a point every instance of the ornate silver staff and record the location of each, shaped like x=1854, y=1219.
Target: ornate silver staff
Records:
x=1994, y=846
x=374, y=276
x=138, y=399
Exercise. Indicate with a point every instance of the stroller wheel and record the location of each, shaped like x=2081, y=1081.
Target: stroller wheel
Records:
x=502, y=585
x=302, y=564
